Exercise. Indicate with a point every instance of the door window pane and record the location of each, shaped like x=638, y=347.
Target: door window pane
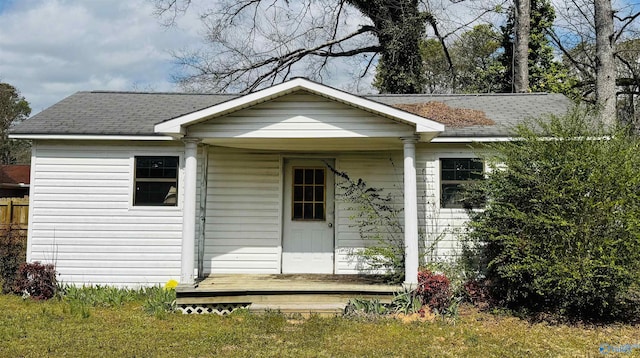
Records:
x=308, y=194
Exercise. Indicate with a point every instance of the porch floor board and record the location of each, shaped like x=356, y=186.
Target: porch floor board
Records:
x=303, y=293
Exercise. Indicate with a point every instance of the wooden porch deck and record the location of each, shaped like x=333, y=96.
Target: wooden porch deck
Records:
x=305, y=293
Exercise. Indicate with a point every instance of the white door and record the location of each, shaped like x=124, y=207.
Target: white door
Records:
x=307, y=238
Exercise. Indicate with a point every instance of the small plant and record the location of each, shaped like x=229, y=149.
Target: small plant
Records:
x=378, y=222
x=99, y=296
x=12, y=253
x=406, y=302
x=160, y=301
x=434, y=290
x=360, y=306
x=36, y=280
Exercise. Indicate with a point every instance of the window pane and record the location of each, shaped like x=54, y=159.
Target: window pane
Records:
x=297, y=211
x=319, y=193
x=462, y=174
x=448, y=175
x=308, y=193
x=447, y=164
x=308, y=176
x=451, y=196
x=156, y=193
x=297, y=193
x=298, y=176
x=319, y=176
x=319, y=211
x=308, y=211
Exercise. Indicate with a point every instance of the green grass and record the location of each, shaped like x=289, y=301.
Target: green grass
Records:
x=124, y=328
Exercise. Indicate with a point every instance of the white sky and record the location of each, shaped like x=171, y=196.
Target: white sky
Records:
x=50, y=49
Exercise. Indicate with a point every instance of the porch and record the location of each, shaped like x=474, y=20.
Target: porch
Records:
x=287, y=293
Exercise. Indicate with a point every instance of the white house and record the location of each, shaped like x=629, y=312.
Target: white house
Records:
x=133, y=189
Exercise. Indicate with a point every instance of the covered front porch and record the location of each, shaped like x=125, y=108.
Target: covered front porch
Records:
x=260, y=166
x=286, y=293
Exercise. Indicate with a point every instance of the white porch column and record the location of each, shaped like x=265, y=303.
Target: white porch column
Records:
x=410, y=212
x=189, y=211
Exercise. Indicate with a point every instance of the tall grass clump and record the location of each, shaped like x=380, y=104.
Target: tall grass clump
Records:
x=560, y=232
x=155, y=300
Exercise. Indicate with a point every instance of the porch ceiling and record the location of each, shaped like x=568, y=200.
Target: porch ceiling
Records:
x=308, y=144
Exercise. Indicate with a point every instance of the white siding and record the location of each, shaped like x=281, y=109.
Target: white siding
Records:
x=243, y=231
x=383, y=170
x=442, y=227
x=439, y=228
x=300, y=116
x=83, y=222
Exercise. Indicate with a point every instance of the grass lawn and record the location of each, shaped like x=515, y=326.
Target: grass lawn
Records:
x=55, y=328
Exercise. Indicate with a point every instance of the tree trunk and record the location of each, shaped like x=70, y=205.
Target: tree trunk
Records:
x=605, y=66
x=521, y=51
x=399, y=27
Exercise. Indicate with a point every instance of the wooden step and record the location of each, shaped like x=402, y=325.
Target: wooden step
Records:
x=303, y=308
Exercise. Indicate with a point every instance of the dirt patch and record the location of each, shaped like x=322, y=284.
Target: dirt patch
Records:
x=449, y=116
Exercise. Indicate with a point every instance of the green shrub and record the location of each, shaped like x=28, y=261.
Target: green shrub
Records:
x=561, y=229
x=13, y=245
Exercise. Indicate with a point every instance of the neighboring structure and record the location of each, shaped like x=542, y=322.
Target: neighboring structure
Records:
x=14, y=181
x=137, y=188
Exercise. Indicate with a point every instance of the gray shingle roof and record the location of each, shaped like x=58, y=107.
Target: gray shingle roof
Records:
x=115, y=113
x=506, y=110
x=135, y=113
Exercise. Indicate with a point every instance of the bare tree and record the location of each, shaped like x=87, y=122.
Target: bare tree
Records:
x=587, y=34
x=521, y=51
x=605, y=65
x=255, y=43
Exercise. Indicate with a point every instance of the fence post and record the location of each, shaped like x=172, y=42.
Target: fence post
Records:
x=9, y=212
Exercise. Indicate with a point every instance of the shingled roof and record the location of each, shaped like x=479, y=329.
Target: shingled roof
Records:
x=136, y=113
x=505, y=109
x=115, y=113
x=15, y=175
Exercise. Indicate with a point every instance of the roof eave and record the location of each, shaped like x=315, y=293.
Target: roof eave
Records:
x=471, y=139
x=89, y=137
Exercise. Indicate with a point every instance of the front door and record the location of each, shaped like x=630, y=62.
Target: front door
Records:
x=307, y=239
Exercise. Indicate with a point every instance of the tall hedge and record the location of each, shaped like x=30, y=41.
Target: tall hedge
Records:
x=560, y=232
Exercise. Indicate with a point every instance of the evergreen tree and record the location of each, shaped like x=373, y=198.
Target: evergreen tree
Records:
x=545, y=74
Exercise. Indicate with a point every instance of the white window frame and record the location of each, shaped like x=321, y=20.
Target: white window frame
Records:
x=438, y=176
x=132, y=180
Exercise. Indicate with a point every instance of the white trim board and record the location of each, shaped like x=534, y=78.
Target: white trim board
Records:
x=90, y=137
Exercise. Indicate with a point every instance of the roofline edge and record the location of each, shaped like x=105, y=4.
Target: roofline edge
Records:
x=90, y=137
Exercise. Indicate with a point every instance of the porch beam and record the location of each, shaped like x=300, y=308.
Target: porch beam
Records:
x=411, y=262
x=189, y=211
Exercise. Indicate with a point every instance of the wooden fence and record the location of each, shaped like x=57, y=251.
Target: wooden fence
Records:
x=14, y=211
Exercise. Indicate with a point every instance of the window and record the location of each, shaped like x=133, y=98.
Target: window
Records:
x=454, y=172
x=156, y=181
x=308, y=194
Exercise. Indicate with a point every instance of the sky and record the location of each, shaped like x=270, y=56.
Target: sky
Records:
x=50, y=49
